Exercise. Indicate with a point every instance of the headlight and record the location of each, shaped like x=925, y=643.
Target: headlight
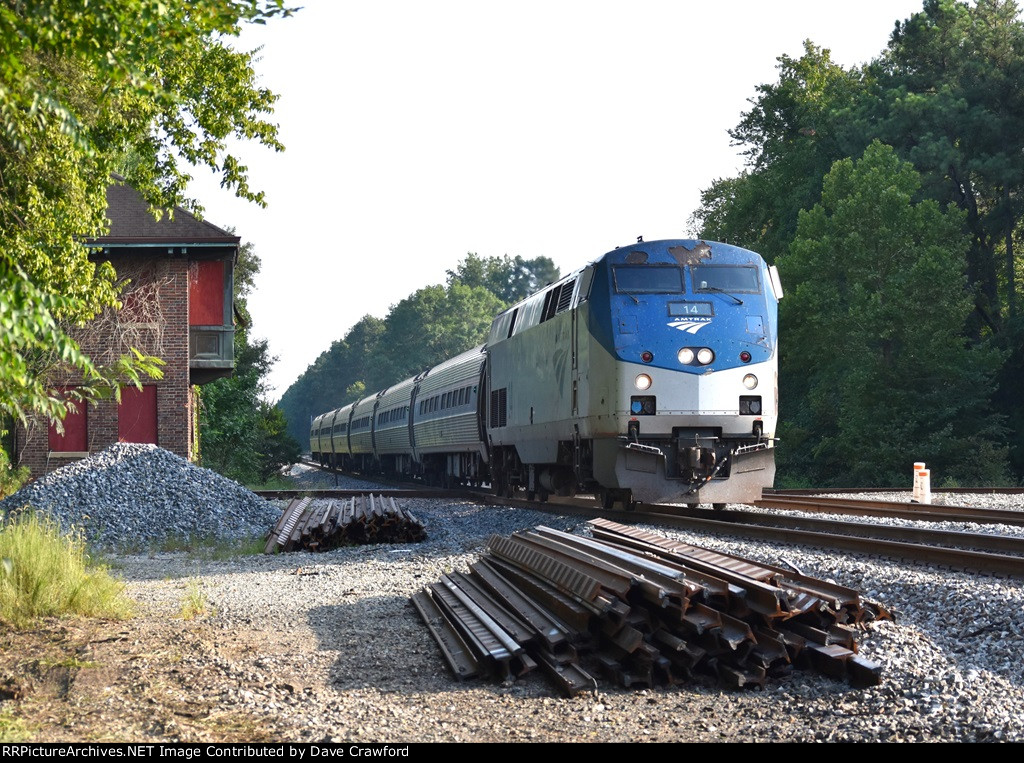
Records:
x=705, y=356
x=686, y=356
x=642, y=381
x=749, y=381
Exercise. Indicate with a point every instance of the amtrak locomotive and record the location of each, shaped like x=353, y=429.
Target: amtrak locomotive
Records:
x=649, y=375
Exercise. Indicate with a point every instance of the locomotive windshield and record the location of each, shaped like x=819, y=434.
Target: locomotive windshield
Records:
x=647, y=279
x=727, y=278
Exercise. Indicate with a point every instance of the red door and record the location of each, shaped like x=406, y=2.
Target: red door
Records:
x=136, y=415
x=76, y=434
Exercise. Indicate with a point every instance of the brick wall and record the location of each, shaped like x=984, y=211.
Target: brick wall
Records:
x=156, y=322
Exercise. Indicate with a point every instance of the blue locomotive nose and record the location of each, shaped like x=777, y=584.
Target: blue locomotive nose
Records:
x=684, y=306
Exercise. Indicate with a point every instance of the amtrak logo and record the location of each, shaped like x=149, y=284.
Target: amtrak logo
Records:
x=690, y=325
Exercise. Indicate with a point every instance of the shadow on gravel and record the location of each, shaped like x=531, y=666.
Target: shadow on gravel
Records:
x=383, y=645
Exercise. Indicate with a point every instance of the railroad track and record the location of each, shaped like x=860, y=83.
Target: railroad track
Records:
x=981, y=552
x=918, y=512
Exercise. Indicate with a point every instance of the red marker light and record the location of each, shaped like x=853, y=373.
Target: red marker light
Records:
x=646, y=356
x=745, y=356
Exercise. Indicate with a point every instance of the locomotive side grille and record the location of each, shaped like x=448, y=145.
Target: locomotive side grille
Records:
x=565, y=297
x=499, y=404
x=557, y=300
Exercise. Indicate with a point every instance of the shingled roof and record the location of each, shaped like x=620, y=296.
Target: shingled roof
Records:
x=131, y=222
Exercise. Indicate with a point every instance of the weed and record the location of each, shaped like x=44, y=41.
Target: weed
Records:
x=204, y=547
x=12, y=729
x=276, y=482
x=11, y=477
x=195, y=602
x=71, y=663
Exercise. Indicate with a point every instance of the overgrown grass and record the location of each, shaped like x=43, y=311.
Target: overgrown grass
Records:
x=45, y=573
x=11, y=477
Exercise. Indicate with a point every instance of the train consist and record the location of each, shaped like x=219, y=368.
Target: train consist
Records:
x=649, y=375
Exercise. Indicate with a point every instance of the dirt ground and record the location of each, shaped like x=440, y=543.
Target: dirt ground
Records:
x=147, y=679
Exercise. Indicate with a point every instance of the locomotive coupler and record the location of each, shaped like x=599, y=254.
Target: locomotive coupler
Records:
x=697, y=481
x=697, y=459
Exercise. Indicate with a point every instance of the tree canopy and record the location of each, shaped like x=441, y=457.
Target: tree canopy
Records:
x=947, y=94
x=795, y=130
x=510, y=279
x=87, y=88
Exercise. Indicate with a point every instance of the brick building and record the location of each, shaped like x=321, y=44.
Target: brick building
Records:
x=178, y=306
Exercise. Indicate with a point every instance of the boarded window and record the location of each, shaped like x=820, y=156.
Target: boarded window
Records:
x=76, y=434
x=206, y=293
x=136, y=415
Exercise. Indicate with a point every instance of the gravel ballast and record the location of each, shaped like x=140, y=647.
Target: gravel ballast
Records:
x=137, y=495
x=329, y=648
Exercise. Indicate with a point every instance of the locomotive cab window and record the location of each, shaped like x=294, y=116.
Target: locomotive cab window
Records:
x=648, y=279
x=727, y=278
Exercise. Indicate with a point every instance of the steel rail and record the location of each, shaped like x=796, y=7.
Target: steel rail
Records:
x=454, y=648
x=432, y=492
x=920, y=512
x=949, y=490
x=954, y=558
x=1009, y=544
x=683, y=518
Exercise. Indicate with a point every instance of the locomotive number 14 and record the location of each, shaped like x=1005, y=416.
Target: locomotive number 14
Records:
x=690, y=308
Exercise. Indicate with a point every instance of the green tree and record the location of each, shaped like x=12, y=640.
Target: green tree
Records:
x=876, y=373
x=431, y=325
x=334, y=379
x=510, y=279
x=274, y=446
x=85, y=84
x=795, y=129
x=950, y=98
x=241, y=435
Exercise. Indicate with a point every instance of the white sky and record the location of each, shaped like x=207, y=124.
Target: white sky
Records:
x=419, y=131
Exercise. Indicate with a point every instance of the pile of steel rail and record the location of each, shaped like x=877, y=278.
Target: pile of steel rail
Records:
x=641, y=610
x=320, y=524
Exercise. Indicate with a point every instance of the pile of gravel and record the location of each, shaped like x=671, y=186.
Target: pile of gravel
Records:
x=134, y=494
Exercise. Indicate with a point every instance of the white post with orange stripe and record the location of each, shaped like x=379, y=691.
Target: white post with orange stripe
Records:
x=918, y=468
x=925, y=477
